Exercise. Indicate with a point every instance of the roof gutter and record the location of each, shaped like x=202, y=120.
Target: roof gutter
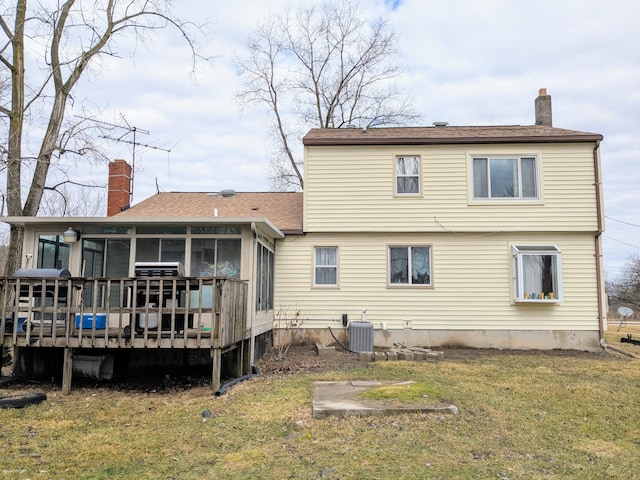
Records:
x=369, y=140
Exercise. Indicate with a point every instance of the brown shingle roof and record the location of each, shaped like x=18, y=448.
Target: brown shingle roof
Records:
x=445, y=135
x=283, y=209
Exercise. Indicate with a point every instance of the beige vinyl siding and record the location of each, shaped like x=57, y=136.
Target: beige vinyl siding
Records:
x=471, y=275
x=351, y=189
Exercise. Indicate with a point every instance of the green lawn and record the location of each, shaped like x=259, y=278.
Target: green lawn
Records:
x=523, y=415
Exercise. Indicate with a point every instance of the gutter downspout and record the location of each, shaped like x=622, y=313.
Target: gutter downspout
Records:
x=252, y=301
x=598, y=253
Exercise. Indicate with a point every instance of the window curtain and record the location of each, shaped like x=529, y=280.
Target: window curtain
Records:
x=539, y=274
x=480, y=188
x=408, y=174
x=420, y=265
x=532, y=274
x=399, y=265
x=528, y=166
x=326, y=266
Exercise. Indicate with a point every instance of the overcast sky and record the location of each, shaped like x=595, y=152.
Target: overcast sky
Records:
x=468, y=62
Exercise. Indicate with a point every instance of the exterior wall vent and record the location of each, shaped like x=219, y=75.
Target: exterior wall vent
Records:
x=361, y=336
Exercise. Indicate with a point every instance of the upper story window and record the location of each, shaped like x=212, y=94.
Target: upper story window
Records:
x=505, y=177
x=408, y=175
x=410, y=265
x=537, y=273
x=325, y=266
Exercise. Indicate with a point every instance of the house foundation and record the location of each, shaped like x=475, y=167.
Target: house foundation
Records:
x=583, y=340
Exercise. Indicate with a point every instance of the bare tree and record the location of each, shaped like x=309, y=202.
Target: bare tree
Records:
x=625, y=290
x=72, y=37
x=72, y=199
x=323, y=67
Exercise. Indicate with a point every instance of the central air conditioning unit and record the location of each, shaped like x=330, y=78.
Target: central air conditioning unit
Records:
x=361, y=337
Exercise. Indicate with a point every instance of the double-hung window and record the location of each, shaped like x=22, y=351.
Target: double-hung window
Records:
x=410, y=265
x=325, y=266
x=537, y=273
x=408, y=175
x=505, y=177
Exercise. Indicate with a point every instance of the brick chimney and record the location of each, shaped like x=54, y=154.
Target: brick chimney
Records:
x=543, y=108
x=119, y=195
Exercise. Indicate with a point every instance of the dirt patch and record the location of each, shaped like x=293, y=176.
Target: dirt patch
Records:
x=305, y=358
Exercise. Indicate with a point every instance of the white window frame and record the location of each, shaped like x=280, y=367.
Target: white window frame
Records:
x=520, y=254
x=519, y=161
x=326, y=266
x=417, y=176
x=409, y=282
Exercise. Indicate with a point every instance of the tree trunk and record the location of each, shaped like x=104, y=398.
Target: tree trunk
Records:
x=14, y=144
x=14, y=255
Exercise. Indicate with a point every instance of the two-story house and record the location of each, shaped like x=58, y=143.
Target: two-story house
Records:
x=436, y=236
x=447, y=235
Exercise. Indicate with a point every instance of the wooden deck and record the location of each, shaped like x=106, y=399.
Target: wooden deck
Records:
x=126, y=313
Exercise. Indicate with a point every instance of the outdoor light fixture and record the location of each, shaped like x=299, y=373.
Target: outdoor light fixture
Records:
x=71, y=235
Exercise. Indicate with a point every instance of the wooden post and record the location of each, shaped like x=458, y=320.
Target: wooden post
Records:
x=246, y=357
x=67, y=370
x=238, y=355
x=216, y=360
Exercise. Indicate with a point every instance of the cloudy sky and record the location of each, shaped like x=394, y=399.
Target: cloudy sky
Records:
x=467, y=62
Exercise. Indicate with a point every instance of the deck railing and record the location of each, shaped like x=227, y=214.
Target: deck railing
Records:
x=143, y=312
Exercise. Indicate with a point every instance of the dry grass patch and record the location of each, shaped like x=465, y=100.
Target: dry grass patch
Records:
x=522, y=415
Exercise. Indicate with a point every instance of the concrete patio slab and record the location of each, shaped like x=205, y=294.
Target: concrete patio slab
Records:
x=342, y=398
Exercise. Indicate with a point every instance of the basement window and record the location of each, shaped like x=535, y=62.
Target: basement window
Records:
x=537, y=273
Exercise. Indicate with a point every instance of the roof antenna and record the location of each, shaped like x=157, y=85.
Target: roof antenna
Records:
x=129, y=130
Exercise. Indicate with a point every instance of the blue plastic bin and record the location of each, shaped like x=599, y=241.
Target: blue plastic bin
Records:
x=87, y=320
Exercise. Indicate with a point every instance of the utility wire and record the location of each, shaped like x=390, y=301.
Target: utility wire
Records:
x=622, y=221
x=620, y=241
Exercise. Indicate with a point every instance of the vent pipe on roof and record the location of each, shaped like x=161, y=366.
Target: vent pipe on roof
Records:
x=543, y=108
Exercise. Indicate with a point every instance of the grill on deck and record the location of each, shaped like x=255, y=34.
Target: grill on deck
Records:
x=31, y=287
x=159, y=269
x=154, y=299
